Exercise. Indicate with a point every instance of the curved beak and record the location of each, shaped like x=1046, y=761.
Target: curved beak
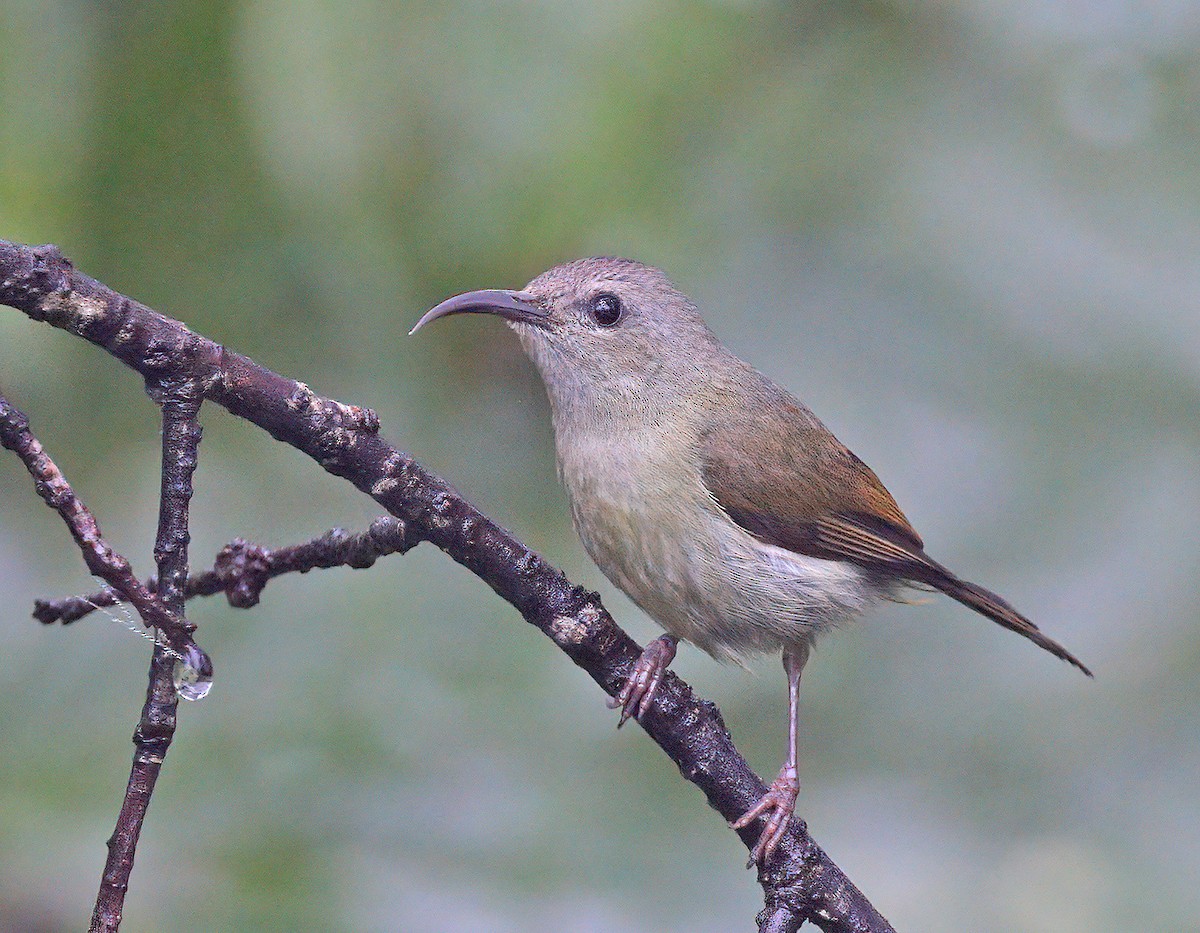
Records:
x=510, y=305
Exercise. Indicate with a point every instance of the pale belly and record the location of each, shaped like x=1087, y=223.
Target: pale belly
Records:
x=703, y=578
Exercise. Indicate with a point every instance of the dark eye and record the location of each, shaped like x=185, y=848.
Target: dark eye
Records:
x=605, y=309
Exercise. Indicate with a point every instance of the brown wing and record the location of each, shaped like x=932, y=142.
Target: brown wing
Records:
x=797, y=487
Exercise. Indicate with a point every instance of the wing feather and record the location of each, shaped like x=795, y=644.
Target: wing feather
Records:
x=802, y=490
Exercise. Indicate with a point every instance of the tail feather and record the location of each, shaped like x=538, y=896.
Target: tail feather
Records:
x=999, y=611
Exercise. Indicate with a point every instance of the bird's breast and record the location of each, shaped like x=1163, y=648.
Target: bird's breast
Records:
x=645, y=517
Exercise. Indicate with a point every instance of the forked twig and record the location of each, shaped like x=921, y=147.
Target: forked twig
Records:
x=242, y=570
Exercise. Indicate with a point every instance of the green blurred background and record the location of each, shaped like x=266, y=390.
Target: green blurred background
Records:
x=965, y=232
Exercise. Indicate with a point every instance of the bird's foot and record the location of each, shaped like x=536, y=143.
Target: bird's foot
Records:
x=641, y=685
x=778, y=805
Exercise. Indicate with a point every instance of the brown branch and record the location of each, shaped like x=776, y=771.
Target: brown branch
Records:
x=241, y=570
x=98, y=555
x=156, y=728
x=162, y=610
x=801, y=882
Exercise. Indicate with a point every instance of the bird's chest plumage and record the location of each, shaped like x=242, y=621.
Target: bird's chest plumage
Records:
x=645, y=517
x=630, y=503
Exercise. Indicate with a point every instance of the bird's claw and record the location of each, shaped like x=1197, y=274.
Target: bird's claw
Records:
x=778, y=805
x=642, y=683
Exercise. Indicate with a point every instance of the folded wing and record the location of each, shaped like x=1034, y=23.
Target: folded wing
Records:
x=802, y=490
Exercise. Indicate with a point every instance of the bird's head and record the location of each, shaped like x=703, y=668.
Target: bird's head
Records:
x=603, y=327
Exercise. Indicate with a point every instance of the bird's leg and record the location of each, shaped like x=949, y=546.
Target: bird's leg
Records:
x=641, y=685
x=779, y=802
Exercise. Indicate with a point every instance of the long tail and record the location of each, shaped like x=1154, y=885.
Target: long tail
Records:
x=999, y=611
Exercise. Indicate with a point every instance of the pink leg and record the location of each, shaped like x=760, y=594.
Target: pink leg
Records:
x=779, y=802
x=641, y=685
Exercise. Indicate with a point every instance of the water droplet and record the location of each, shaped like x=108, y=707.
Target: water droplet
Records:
x=193, y=674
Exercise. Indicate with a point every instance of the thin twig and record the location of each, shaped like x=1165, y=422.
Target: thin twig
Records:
x=100, y=558
x=241, y=570
x=156, y=728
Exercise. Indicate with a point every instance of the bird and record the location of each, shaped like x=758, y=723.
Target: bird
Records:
x=711, y=496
